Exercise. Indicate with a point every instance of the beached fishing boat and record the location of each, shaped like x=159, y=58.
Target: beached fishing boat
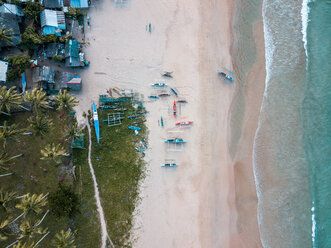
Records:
x=184, y=123
x=225, y=75
x=169, y=165
x=134, y=128
x=174, y=91
x=164, y=94
x=159, y=84
x=174, y=108
x=167, y=74
x=96, y=120
x=181, y=101
x=153, y=97
x=175, y=141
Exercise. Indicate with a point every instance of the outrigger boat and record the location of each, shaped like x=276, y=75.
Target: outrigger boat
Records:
x=174, y=91
x=159, y=84
x=164, y=94
x=184, y=123
x=175, y=141
x=167, y=74
x=174, y=108
x=134, y=128
x=225, y=75
x=153, y=97
x=96, y=120
x=181, y=101
x=169, y=165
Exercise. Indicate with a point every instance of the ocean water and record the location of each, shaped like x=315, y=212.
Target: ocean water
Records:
x=292, y=150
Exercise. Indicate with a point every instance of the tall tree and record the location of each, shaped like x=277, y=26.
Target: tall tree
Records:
x=53, y=152
x=65, y=101
x=6, y=35
x=8, y=132
x=4, y=229
x=64, y=240
x=9, y=98
x=40, y=125
x=38, y=98
x=32, y=204
x=24, y=245
x=32, y=10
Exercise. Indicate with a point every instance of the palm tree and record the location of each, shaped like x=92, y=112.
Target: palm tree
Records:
x=6, y=35
x=32, y=204
x=65, y=101
x=40, y=124
x=64, y=240
x=29, y=229
x=4, y=230
x=24, y=245
x=74, y=132
x=9, y=98
x=4, y=159
x=38, y=98
x=53, y=152
x=8, y=132
x=6, y=198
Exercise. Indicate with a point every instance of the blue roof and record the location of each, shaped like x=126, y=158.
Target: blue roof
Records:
x=79, y=3
x=52, y=20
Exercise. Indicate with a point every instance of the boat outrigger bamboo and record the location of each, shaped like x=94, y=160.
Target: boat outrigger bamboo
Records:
x=225, y=75
x=96, y=120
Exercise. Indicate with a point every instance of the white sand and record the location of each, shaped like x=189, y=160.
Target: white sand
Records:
x=192, y=205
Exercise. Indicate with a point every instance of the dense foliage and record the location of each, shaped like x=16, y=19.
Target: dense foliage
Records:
x=64, y=202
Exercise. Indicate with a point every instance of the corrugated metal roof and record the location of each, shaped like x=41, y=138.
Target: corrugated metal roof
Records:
x=79, y=3
x=72, y=49
x=10, y=21
x=44, y=74
x=52, y=3
x=12, y=9
x=48, y=18
x=3, y=71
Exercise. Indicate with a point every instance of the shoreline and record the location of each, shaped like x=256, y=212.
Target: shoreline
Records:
x=202, y=210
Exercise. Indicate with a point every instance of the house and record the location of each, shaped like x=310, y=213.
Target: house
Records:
x=11, y=23
x=43, y=76
x=72, y=55
x=3, y=71
x=52, y=4
x=53, y=49
x=52, y=22
x=11, y=9
x=79, y=4
x=70, y=80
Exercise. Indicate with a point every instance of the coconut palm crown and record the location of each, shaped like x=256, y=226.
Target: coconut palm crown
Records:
x=6, y=35
x=64, y=240
x=38, y=98
x=65, y=101
x=40, y=125
x=8, y=132
x=53, y=152
x=6, y=198
x=32, y=204
x=9, y=98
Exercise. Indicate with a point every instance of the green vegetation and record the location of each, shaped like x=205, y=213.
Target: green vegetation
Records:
x=64, y=202
x=38, y=99
x=6, y=35
x=18, y=65
x=65, y=102
x=64, y=240
x=9, y=98
x=118, y=168
x=58, y=58
x=32, y=11
x=30, y=39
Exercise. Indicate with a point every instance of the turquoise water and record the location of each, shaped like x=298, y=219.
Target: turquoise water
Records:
x=317, y=118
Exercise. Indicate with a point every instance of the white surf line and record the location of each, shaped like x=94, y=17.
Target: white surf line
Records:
x=104, y=233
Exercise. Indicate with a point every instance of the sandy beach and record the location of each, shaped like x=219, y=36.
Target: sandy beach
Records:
x=210, y=199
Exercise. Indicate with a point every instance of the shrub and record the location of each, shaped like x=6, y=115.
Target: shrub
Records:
x=13, y=75
x=64, y=202
x=30, y=39
x=58, y=58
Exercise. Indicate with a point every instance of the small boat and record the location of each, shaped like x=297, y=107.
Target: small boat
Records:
x=225, y=75
x=169, y=165
x=140, y=150
x=181, y=101
x=175, y=141
x=159, y=84
x=153, y=97
x=167, y=74
x=96, y=120
x=174, y=108
x=134, y=128
x=164, y=94
x=162, y=124
x=184, y=123
x=174, y=91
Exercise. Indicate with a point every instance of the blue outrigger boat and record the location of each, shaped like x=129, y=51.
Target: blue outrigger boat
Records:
x=225, y=75
x=169, y=165
x=175, y=141
x=96, y=120
x=134, y=128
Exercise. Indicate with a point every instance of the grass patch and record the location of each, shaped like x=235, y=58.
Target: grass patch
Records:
x=118, y=168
